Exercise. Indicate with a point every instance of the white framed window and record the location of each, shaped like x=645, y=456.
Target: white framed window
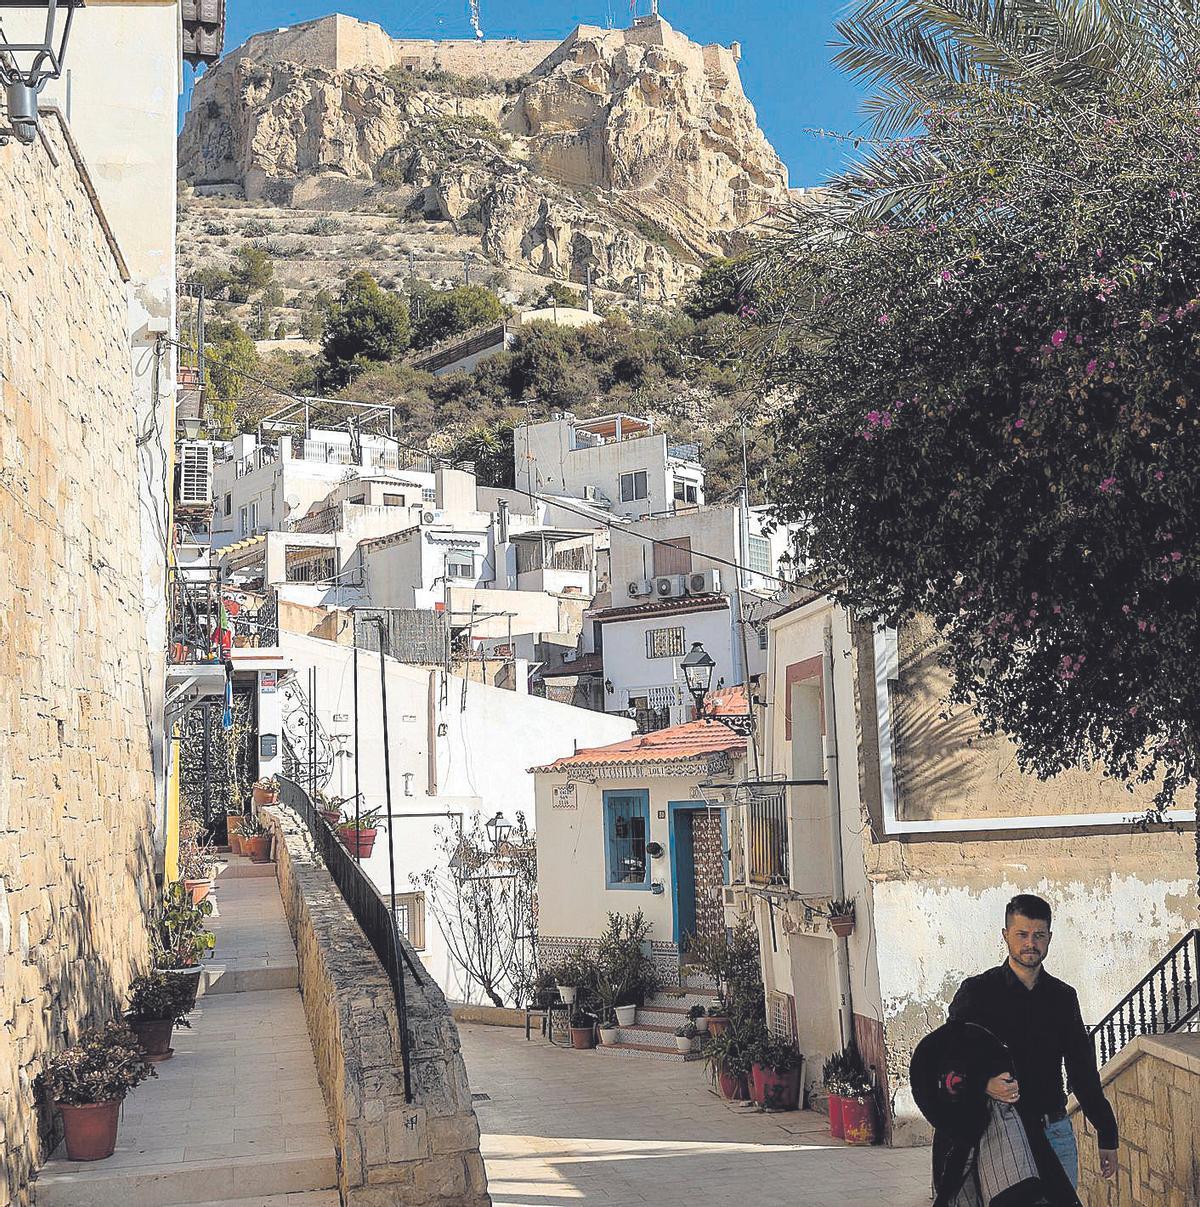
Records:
x=409, y=909
x=665, y=643
x=685, y=492
x=460, y=563
x=759, y=550
x=633, y=486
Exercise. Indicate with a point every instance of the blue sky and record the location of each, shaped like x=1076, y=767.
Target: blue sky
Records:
x=785, y=64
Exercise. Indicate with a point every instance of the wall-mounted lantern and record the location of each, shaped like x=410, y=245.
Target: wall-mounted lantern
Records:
x=26, y=66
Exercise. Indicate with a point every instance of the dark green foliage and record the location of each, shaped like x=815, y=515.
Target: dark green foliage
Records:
x=366, y=325
x=448, y=312
x=722, y=288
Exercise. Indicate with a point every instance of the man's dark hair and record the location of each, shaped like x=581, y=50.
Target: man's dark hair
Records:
x=1028, y=906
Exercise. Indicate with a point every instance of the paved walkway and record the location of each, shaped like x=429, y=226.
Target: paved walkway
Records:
x=236, y=1115
x=569, y=1129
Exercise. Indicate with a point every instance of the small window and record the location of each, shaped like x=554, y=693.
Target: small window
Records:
x=626, y=831
x=633, y=486
x=393, y=500
x=409, y=909
x=460, y=563
x=359, y=499
x=760, y=555
x=685, y=492
x=229, y=504
x=428, y=494
x=665, y=643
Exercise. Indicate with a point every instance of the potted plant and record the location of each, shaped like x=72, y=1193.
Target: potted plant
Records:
x=359, y=836
x=156, y=1007
x=610, y=1033
x=843, y=1075
x=180, y=940
x=841, y=916
x=718, y=1017
x=858, y=1105
x=583, y=1030
x=685, y=1038
x=196, y=862
x=727, y=1067
x=575, y=971
x=256, y=840
x=266, y=791
x=88, y=1082
x=698, y=1016
x=234, y=812
x=775, y=1074
x=330, y=808
x=626, y=973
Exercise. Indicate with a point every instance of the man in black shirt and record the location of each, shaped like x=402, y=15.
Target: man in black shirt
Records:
x=1037, y=1016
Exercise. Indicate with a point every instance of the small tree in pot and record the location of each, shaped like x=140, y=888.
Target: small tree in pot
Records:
x=775, y=1073
x=575, y=971
x=235, y=812
x=628, y=974
x=197, y=861
x=359, y=834
x=256, y=840
x=88, y=1082
x=156, y=1006
x=180, y=939
x=728, y=1065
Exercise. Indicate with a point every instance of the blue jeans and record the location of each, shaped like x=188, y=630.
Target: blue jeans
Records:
x=1062, y=1139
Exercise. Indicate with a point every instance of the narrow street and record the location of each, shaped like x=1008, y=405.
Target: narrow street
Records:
x=565, y=1128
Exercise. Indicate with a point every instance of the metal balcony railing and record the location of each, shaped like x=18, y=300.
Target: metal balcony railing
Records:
x=194, y=601
x=767, y=836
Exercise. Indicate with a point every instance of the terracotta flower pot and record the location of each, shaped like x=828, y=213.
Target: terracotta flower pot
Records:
x=842, y=925
x=858, y=1118
x=583, y=1038
x=732, y=1085
x=233, y=825
x=259, y=849
x=332, y=816
x=198, y=888
x=837, y=1125
x=189, y=986
x=154, y=1035
x=91, y=1131
x=263, y=796
x=775, y=1090
x=717, y=1023
x=358, y=842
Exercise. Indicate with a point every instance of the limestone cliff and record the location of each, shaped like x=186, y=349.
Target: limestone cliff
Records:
x=630, y=153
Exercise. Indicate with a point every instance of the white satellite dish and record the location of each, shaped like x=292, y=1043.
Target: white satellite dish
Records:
x=292, y=502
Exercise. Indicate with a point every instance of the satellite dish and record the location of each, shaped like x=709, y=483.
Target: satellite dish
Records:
x=292, y=502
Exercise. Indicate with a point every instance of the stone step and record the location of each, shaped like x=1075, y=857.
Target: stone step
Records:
x=682, y=999
x=644, y=1034
x=301, y=1198
x=648, y=1051
x=254, y=951
x=238, y=867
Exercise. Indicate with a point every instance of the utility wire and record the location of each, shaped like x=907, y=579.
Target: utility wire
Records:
x=551, y=500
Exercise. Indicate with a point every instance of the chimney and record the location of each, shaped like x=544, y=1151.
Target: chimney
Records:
x=503, y=522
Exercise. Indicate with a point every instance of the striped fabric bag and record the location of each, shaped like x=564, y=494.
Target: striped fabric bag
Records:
x=1002, y=1170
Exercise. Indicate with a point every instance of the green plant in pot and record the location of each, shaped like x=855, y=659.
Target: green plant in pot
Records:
x=266, y=791
x=575, y=971
x=197, y=860
x=727, y=1064
x=698, y=1017
x=358, y=834
x=840, y=912
x=330, y=807
x=846, y=1080
x=88, y=1082
x=235, y=813
x=685, y=1038
x=180, y=939
x=776, y=1072
x=628, y=975
x=583, y=1029
x=256, y=840
x=157, y=1004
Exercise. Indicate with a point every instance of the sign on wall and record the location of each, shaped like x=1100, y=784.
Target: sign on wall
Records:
x=564, y=797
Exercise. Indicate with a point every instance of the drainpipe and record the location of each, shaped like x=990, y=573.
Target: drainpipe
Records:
x=846, y=1010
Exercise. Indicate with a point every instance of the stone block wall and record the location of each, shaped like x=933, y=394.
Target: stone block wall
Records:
x=1154, y=1087
x=76, y=785
x=421, y=1154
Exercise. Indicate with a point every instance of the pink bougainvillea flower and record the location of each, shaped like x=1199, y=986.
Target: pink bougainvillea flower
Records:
x=1019, y=424
x=884, y=319
x=1107, y=484
x=1091, y=367
x=1159, y=475
x=1057, y=338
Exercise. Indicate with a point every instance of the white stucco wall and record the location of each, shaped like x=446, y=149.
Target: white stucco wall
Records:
x=479, y=764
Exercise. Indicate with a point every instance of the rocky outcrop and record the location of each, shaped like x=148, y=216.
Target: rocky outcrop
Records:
x=632, y=153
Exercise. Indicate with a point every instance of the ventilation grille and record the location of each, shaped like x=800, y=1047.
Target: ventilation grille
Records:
x=195, y=474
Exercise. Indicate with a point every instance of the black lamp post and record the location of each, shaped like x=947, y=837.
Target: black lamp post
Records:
x=498, y=829
x=26, y=66
x=698, y=669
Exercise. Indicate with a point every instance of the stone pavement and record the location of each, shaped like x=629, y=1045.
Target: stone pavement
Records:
x=570, y=1129
x=236, y=1115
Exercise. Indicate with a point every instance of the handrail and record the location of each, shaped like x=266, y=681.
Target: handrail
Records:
x=378, y=922
x=1153, y=1007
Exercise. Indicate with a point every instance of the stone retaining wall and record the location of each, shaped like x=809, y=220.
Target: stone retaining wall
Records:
x=422, y=1155
x=1154, y=1087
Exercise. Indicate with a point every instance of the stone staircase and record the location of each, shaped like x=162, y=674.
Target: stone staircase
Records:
x=652, y=1035
x=236, y=1116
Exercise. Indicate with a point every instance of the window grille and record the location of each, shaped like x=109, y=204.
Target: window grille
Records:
x=665, y=643
x=409, y=909
x=627, y=825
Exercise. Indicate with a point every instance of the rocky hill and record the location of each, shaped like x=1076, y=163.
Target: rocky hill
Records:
x=630, y=154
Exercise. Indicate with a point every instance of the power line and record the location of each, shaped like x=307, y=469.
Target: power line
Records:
x=551, y=500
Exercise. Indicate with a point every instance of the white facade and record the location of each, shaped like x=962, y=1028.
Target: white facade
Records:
x=457, y=749
x=618, y=461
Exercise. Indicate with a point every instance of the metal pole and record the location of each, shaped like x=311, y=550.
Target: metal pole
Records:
x=387, y=760
x=357, y=784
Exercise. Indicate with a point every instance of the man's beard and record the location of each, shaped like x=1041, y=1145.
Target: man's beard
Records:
x=1030, y=959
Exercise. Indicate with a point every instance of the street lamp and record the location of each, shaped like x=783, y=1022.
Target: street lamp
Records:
x=498, y=829
x=26, y=66
x=698, y=669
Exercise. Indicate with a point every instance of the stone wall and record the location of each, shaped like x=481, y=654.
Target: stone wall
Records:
x=1154, y=1087
x=389, y=1151
x=76, y=785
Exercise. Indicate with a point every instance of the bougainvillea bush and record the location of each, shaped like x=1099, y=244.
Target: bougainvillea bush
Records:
x=991, y=335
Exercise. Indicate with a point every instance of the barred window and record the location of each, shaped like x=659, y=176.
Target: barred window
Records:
x=626, y=830
x=409, y=909
x=665, y=643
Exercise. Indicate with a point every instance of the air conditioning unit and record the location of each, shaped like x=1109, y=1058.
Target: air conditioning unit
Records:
x=428, y=517
x=640, y=587
x=668, y=586
x=704, y=582
x=195, y=473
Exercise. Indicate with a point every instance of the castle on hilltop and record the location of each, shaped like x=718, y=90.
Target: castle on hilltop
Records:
x=341, y=43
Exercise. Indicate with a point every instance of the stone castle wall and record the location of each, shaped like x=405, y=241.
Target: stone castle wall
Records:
x=76, y=786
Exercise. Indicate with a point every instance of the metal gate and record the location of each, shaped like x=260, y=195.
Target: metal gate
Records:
x=216, y=764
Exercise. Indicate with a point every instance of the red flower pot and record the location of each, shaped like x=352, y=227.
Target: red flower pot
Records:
x=198, y=889
x=332, y=816
x=842, y=925
x=259, y=849
x=774, y=1090
x=583, y=1038
x=358, y=842
x=732, y=1085
x=264, y=797
x=233, y=823
x=837, y=1124
x=717, y=1023
x=154, y=1035
x=91, y=1131
x=858, y=1117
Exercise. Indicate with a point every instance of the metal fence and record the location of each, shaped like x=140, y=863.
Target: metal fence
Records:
x=377, y=921
x=767, y=835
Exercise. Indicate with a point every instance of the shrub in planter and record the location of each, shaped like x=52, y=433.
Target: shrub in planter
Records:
x=330, y=807
x=841, y=916
x=266, y=791
x=858, y=1117
x=180, y=940
x=197, y=861
x=845, y=1077
x=256, y=840
x=685, y=1037
x=718, y=1017
x=575, y=971
x=157, y=1004
x=583, y=1030
x=775, y=1074
x=698, y=1016
x=359, y=836
x=625, y=975
x=728, y=1069
x=88, y=1082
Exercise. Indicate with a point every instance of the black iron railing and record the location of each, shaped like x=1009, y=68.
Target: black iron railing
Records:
x=1166, y=999
x=366, y=904
x=767, y=835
